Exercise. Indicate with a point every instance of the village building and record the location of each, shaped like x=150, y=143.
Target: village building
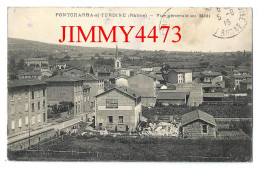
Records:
x=214, y=78
x=37, y=62
x=172, y=97
x=195, y=90
x=146, y=86
x=66, y=87
x=124, y=72
x=96, y=86
x=176, y=76
x=242, y=77
x=27, y=105
x=118, y=109
x=198, y=124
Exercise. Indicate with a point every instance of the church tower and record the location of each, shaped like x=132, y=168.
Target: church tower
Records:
x=117, y=60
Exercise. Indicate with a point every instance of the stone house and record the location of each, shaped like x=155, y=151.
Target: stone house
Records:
x=198, y=124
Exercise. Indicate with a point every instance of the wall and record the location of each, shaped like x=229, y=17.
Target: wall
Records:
x=122, y=82
x=20, y=107
x=194, y=130
x=188, y=77
x=143, y=84
x=196, y=93
x=173, y=102
x=173, y=77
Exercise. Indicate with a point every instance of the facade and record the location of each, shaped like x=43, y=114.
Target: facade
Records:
x=65, y=87
x=195, y=90
x=146, y=86
x=124, y=72
x=31, y=75
x=86, y=98
x=27, y=105
x=118, y=109
x=176, y=76
x=198, y=124
x=38, y=62
x=96, y=86
x=172, y=97
x=121, y=81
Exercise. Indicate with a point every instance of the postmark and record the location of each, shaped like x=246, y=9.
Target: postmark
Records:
x=230, y=22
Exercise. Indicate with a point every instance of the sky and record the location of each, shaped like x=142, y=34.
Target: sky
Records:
x=44, y=25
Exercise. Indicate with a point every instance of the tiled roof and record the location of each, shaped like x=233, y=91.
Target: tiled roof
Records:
x=89, y=77
x=34, y=73
x=182, y=70
x=171, y=95
x=130, y=92
x=31, y=59
x=25, y=82
x=197, y=115
x=209, y=73
x=243, y=76
x=64, y=78
x=215, y=95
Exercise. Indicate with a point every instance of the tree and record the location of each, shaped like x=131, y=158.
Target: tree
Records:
x=91, y=70
x=67, y=57
x=51, y=57
x=21, y=65
x=97, y=55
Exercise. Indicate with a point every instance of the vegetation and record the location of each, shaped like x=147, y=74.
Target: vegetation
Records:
x=107, y=148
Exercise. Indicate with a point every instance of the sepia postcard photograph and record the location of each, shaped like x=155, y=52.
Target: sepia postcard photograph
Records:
x=129, y=84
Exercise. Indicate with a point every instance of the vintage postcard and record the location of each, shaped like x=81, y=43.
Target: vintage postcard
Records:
x=130, y=84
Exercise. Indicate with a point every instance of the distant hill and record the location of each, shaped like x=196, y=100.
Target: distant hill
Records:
x=21, y=48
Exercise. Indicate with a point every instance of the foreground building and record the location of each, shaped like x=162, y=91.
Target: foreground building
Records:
x=197, y=124
x=118, y=109
x=26, y=105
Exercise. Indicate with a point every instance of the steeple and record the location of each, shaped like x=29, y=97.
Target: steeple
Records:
x=116, y=52
x=117, y=60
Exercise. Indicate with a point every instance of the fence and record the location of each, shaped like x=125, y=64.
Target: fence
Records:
x=54, y=155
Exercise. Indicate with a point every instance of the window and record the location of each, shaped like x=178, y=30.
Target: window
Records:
x=43, y=103
x=43, y=92
x=38, y=93
x=32, y=94
x=33, y=119
x=111, y=103
x=110, y=119
x=32, y=107
x=204, y=128
x=26, y=120
x=121, y=119
x=12, y=96
x=26, y=106
x=13, y=125
x=20, y=123
x=39, y=118
x=39, y=105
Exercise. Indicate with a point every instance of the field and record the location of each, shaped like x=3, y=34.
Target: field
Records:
x=108, y=148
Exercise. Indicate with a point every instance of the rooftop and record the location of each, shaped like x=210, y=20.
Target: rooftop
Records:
x=24, y=82
x=209, y=73
x=171, y=95
x=197, y=115
x=64, y=78
x=215, y=95
x=89, y=77
x=38, y=59
x=130, y=92
x=182, y=70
